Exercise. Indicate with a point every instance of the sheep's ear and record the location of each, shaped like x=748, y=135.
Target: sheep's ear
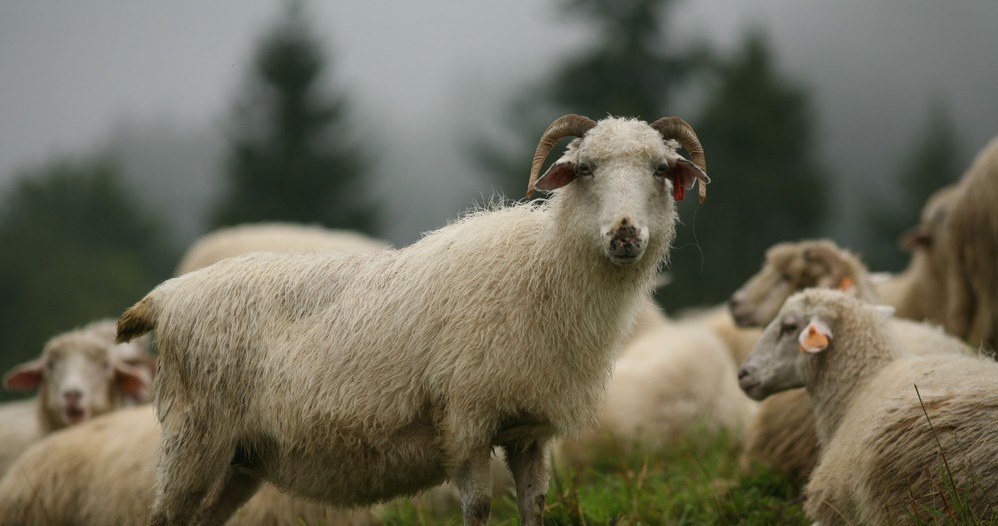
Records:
x=846, y=284
x=132, y=382
x=684, y=175
x=25, y=377
x=916, y=238
x=558, y=175
x=815, y=337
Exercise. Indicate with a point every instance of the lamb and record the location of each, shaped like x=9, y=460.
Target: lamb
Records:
x=380, y=374
x=272, y=237
x=782, y=435
x=971, y=236
x=101, y=472
x=80, y=374
x=902, y=435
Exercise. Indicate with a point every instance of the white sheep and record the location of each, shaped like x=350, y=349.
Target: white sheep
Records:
x=782, y=434
x=903, y=437
x=668, y=382
x=272, y=237
x=970, y=234
x=101, y=472
x=80, y=374
x=355, y=378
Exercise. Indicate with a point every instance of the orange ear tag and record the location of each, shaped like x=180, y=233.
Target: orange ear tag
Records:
x=846, y=284
x=815, y=337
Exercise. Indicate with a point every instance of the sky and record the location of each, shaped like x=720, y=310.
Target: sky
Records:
x=156, y=81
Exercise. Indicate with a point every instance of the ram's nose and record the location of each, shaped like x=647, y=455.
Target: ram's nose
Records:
x=626, y=242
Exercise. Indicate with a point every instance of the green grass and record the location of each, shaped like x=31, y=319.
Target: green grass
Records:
x=693, y=483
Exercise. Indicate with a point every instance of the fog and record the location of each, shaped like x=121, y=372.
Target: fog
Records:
x=156, y=82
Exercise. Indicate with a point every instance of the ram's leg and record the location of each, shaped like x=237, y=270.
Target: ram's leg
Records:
x=474, y=481
x=531, y=469
x=226, y=497
x=189, y=464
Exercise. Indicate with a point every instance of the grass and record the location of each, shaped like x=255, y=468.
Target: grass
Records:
x=692, y=483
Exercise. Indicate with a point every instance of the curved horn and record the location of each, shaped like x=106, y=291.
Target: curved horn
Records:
x=682, y=132
x=570, y=125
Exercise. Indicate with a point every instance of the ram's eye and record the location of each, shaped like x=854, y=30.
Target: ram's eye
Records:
x=584, y=169
x=662, y=170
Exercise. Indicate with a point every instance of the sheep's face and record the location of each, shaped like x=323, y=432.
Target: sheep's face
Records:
x=802, y=328
x=622, y=175
x=789, y=268
x=78, y=377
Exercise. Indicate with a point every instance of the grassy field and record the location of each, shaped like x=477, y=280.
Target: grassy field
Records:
x=696, y=482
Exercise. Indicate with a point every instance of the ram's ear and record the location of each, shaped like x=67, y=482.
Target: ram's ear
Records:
x=815, y=337
x=684, y=175
x=558, y=175
x=25, y=377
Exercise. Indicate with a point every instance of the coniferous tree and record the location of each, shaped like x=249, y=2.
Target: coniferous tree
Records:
x=76, y=247
x=757, y=130
x=292, y=156
x=933, y=160
x=628, y=71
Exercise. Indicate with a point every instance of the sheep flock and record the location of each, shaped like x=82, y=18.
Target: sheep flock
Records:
x=294, y=374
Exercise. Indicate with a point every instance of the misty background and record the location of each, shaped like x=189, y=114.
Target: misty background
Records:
x=125, y=129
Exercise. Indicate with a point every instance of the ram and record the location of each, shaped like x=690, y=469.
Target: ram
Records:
x=351, y=379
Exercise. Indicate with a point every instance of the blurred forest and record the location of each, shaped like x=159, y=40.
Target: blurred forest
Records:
x=80, y=243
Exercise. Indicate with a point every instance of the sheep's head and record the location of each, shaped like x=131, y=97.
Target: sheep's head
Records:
x=789, y=268
x=922, y=236
x=78, y=376
x=803, y=329
x=622, y=172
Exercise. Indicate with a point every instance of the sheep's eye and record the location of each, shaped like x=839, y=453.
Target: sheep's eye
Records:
x=788, y=327
x=584, y=169
x=662, y=170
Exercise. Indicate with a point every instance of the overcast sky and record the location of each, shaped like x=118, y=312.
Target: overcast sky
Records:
x=424, y=73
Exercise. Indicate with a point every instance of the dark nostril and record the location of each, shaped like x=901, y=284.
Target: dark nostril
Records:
x=732, y=303
x=742, y=373
x=72, y=395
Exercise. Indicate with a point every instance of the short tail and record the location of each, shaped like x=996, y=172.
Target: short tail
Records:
x=137, y=320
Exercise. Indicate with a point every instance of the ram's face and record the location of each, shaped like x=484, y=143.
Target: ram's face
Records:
x=622, y=176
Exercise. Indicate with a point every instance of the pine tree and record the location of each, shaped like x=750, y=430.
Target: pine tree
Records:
x=933, y=160
x=291, y=154
x=76, y=247
x=757, y=131
x=629, y=71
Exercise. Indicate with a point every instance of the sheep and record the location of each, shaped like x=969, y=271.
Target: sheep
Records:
x=272, y=237
x=782, y=435
x=971, y=236
x=81, y=374
x=903, y=436
x=794, y=266
x=667, y=383
x=101, y=472
x=739, y=341
x=918, y=292
x=355, y=378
